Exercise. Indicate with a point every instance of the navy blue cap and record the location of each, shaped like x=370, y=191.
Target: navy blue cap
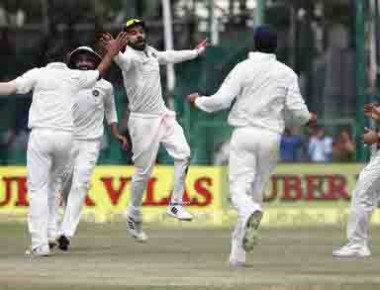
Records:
x=265, y=38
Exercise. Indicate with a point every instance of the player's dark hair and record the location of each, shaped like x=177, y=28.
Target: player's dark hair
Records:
x=265, y=38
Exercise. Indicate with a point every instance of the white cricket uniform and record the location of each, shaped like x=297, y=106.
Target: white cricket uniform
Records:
x=150, y=121
x=364, y=201
x=51, y=139
x=92, y=105
x=265, y=92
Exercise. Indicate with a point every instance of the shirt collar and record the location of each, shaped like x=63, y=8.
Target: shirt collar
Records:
x=57, y=65
x=261, y=56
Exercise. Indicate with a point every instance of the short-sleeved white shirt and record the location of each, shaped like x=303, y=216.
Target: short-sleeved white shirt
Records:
x=54, y=89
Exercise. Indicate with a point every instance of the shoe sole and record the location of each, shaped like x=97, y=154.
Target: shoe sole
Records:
x=250, y=231
x=137, y=239
x=181, y=219
x=353, y=256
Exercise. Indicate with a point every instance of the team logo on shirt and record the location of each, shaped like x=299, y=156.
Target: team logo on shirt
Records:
x=95, y=93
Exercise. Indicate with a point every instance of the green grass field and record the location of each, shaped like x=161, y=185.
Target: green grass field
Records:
x=104, y=257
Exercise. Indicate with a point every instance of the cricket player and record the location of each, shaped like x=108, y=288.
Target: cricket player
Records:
x=365, y=197
x=51, y=139
x=265, y=91
x=150, y=121
x=91, y=106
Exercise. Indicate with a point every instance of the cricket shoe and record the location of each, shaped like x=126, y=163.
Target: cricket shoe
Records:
x=352, y=250
x=179, y=212
x=63, y=243
x=250, y=230
x=135, y=230
x=41, y=251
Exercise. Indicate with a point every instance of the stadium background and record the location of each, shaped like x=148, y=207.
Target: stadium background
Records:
x=334, y=46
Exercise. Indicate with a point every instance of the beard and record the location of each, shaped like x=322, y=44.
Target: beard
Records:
x=139, y=45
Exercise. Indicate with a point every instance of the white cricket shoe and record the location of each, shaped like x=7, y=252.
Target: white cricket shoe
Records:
x=250, y=230
x=41, y=251
x=352, y=250
x=179, y=212
x=135, y=230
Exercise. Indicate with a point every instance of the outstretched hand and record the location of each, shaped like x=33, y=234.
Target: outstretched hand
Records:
x=109, y=44
x=192, y=97
x=370, y=136
x=313, y=120
x=201, y=47
x=372, y=111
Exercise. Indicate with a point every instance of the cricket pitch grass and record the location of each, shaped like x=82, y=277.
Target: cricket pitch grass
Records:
x=104, y=257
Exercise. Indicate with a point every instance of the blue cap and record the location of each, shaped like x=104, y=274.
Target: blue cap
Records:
x=265, y=38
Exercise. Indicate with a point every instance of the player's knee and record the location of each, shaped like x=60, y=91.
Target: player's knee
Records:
x=140, y=175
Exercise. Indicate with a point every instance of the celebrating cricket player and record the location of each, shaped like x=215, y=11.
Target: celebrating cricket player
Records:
x=51, y=139
x=91, y=106
x=150, y=121
x=364, y=199
x=265, y=91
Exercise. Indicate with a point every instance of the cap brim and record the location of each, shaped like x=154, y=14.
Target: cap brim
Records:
x=75, y=52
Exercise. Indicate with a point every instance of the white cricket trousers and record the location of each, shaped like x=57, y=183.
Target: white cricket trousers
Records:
x=363, y=201
x=253, y=157
x=147, y=132
x=48, y=153
x=85, y=154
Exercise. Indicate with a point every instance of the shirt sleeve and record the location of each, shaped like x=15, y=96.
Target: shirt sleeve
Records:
x=295, y=104
x=123, y=61
x=174, y=56
x=109, y=106
x=223, y=98
x=86, y=79
x=27, y=82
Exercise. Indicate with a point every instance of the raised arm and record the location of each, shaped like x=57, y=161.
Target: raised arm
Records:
x=21, y=85
x=229, y=90
x=112, y=48
x=295, y=104
x=8, y=88
x=177, y=56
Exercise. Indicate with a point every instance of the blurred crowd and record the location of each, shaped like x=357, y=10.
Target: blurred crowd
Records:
x=314, y=146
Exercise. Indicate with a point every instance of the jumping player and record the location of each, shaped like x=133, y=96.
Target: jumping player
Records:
x=150, y=121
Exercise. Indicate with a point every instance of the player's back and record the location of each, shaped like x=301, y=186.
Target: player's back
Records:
x=265, y=85
x=54, y=88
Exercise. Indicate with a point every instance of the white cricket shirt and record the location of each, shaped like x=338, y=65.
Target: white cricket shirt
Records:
x=265, y=92
x=54, y=89
x=90, y=108
x=141, y=75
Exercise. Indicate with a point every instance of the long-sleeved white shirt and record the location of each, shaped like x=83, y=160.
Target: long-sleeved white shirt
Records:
x=265, y=91
x=54, y=89
x=141, y=75
x=91, y=106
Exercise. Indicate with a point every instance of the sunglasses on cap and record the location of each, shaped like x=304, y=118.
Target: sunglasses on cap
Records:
x=133, y=22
